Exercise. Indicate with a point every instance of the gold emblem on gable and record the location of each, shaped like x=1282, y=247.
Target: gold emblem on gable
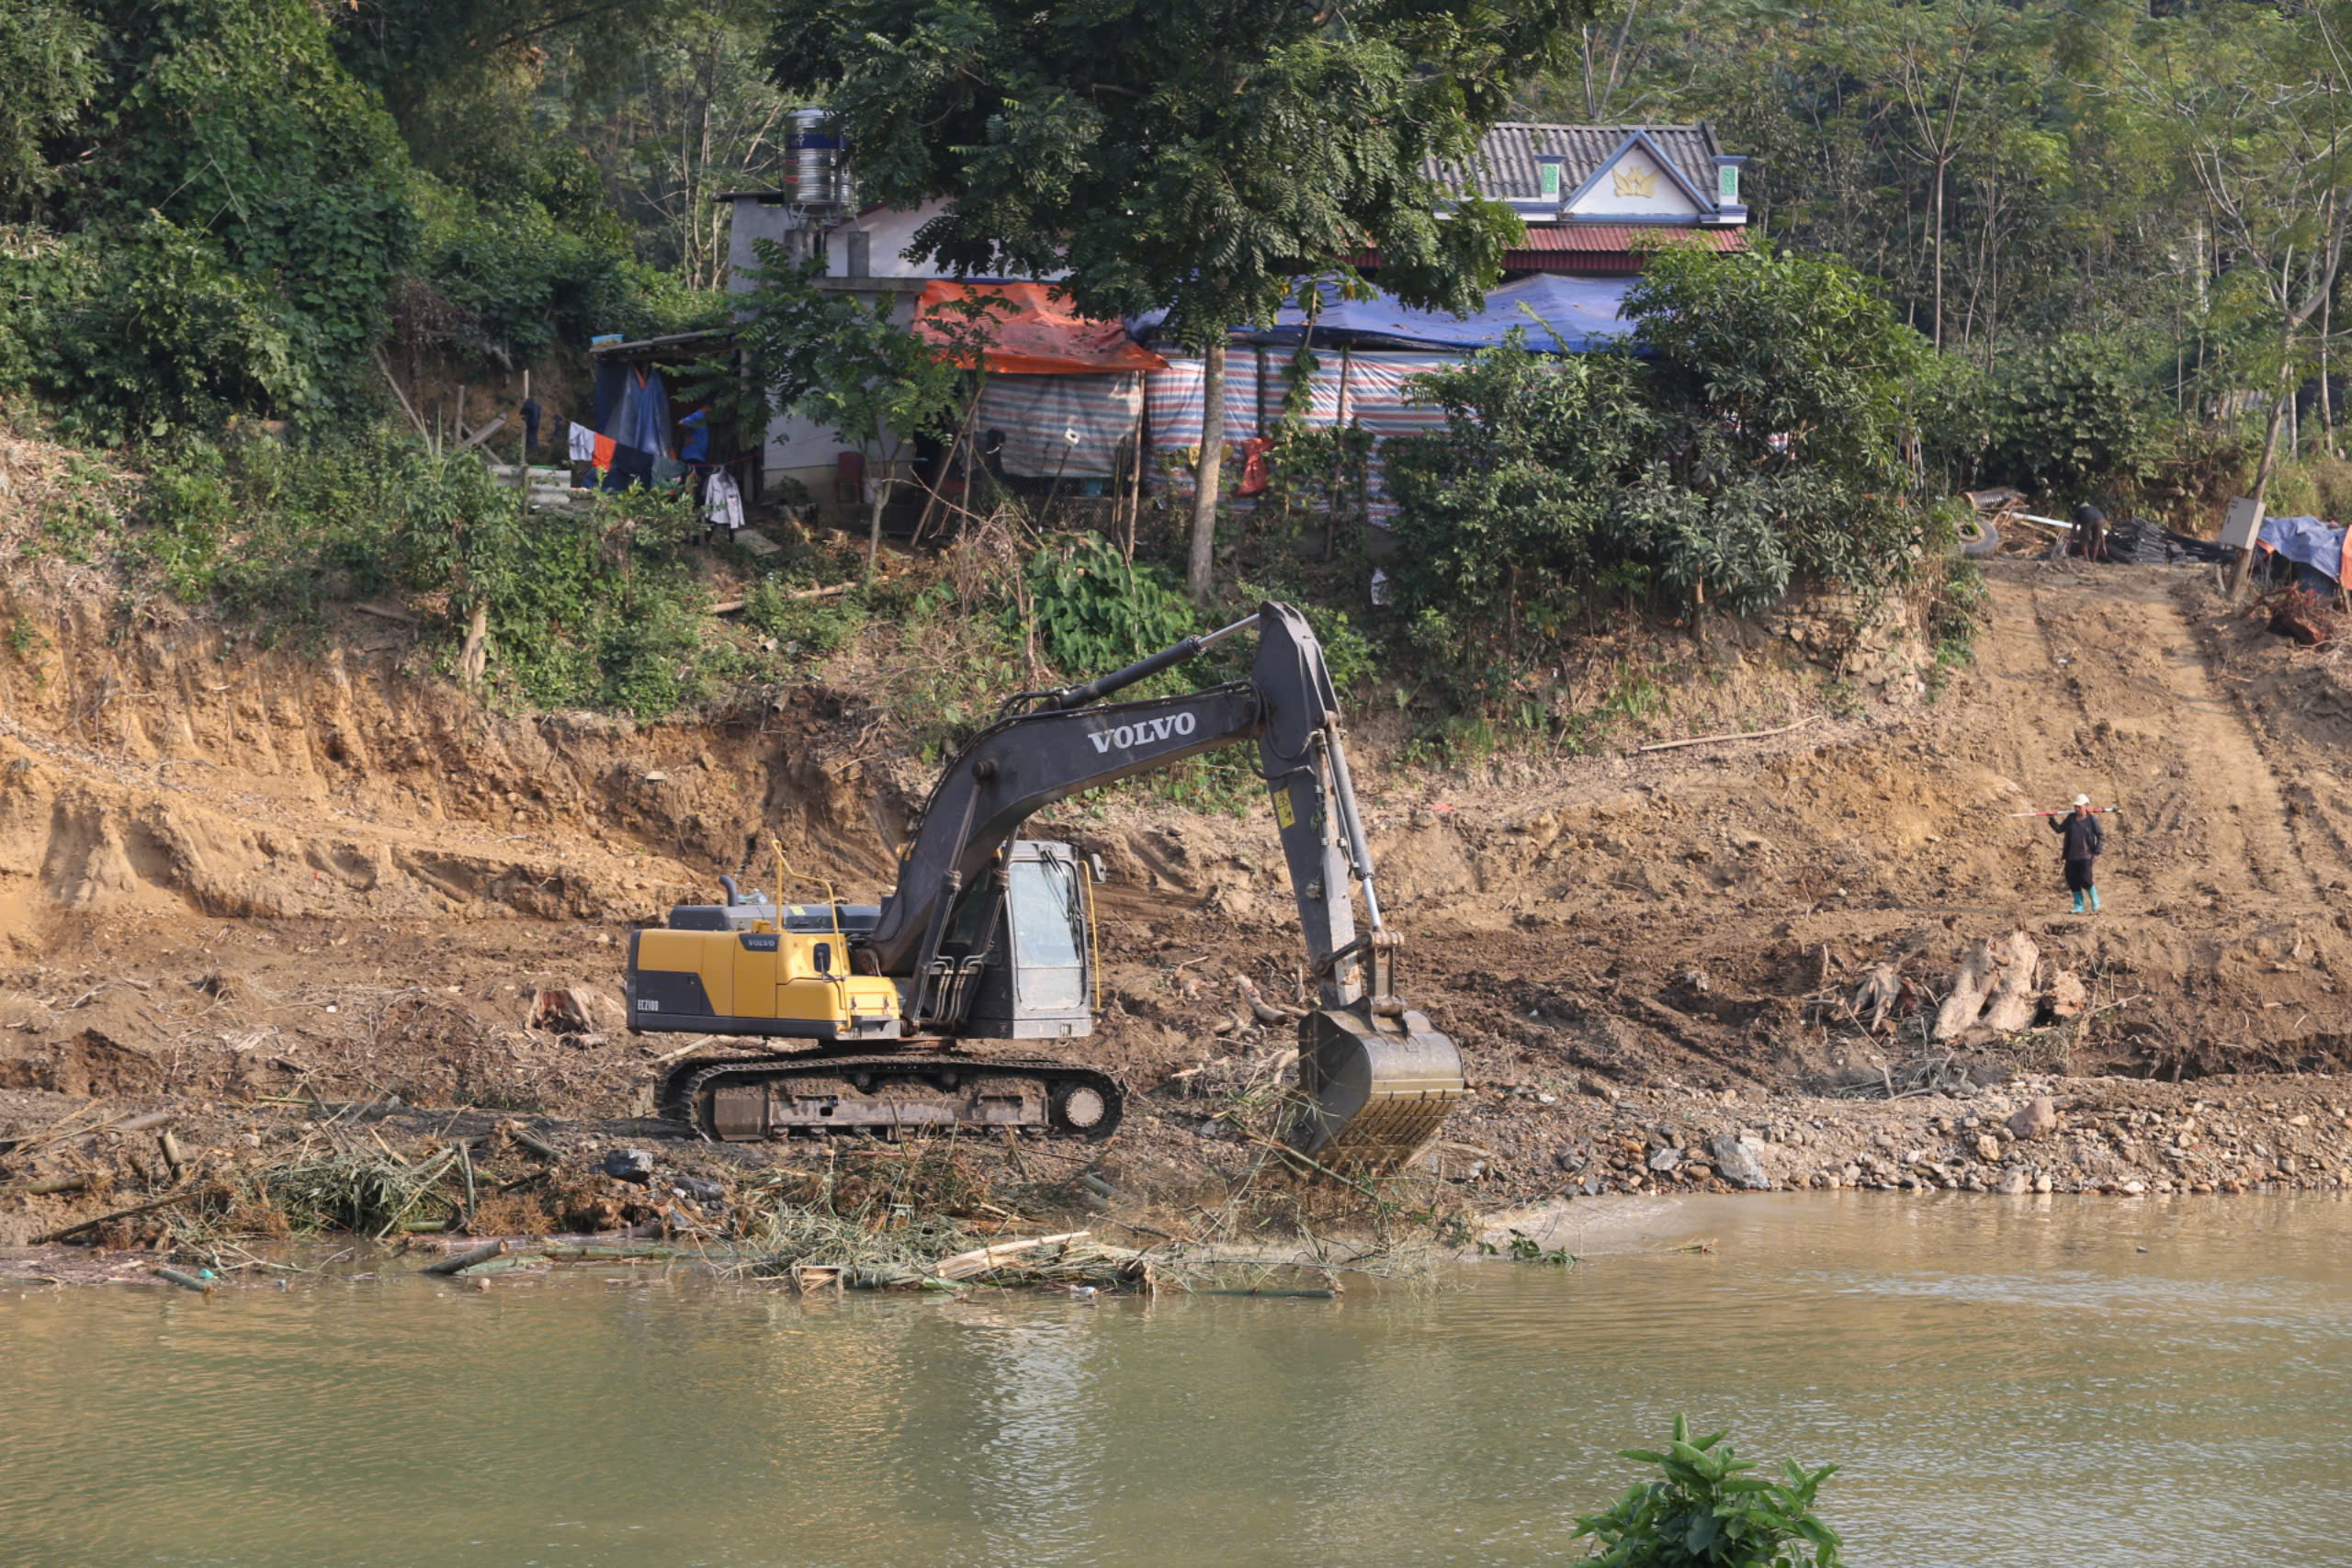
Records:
x=1634, y=181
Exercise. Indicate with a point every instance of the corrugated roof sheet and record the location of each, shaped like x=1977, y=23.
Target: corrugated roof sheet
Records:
x=1628, y=236
x=1606, y=248
x=1505, y=161
x=1033, y=333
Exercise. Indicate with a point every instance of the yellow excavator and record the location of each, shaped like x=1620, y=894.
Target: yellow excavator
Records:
x=988, y=936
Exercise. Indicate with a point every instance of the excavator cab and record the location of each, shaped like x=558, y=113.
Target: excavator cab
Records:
x=1019, y=965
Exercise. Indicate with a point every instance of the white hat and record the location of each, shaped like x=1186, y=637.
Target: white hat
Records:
x=2082, y=800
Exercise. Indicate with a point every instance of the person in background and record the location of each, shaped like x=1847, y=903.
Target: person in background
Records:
x=2090, y=532
x=2084, y=840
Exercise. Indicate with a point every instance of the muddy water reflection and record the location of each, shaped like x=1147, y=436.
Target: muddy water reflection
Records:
x=2007, y=1383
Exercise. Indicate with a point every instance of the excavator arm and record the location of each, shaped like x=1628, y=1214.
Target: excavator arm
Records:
x=1377, y=1078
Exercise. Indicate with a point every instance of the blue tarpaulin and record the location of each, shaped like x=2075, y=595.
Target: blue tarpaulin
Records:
x=2306, y=541
x=1571, y=315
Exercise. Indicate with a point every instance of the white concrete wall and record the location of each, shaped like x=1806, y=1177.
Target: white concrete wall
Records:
x=753, y=221
x=801, y=449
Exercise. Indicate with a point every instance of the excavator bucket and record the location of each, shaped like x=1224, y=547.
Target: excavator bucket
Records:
x=1374, y=1097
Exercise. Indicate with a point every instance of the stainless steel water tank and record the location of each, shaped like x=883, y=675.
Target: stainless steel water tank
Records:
x=815, y=173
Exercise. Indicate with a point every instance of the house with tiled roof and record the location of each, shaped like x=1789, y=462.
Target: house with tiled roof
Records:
x=1592, y=196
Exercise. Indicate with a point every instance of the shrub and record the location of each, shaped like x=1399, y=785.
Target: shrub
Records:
x=138, y=334
x=1095, y=611
x=1955, y=408
x=1507, y=513
x=2073, y=416
x=1708, y=1511
x=804, y=629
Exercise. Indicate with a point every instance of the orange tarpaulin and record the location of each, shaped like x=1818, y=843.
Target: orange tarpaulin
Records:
x=1033, y=333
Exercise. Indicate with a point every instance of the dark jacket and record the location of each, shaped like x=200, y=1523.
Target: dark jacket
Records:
x=2083, y=836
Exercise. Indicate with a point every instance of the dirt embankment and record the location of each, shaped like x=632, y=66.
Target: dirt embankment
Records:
x=237, y=879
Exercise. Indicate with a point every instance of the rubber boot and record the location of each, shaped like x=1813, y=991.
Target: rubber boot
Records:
x=2094, y=900
x=2079, y=903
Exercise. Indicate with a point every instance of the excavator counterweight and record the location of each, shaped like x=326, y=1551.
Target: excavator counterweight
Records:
x=988, y=936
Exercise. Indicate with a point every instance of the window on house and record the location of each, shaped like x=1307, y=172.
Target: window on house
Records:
x=1550, y=175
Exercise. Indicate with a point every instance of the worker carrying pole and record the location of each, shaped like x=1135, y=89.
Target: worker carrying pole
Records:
x=2084, y=840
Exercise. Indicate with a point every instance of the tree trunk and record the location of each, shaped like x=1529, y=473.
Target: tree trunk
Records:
x=873, y=524
x=2326, y=400
x=1201, y=566
x=1938, y=337
x=2243, y=565
x=476, y=648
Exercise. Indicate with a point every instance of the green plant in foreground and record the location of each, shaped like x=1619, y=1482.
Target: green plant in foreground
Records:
x=1710, y=1512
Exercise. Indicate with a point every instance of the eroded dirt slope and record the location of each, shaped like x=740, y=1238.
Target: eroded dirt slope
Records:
x=239, y=876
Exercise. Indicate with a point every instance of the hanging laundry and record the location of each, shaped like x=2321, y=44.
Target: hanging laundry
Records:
x=668, y=470
x=531, y=411
x=625, y=465
x=722, y=502
x=643, y=418
x=587, y=446
x=696, y=447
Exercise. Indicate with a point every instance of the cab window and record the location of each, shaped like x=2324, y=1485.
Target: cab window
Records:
x=1045, y=929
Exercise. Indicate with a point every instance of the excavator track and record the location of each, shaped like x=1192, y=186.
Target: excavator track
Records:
x=749, y=1099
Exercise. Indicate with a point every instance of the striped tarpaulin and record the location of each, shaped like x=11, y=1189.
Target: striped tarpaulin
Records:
x=1373, y=386
x=1061, y=426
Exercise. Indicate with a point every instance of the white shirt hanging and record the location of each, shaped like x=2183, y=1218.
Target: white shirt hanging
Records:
x=722, y=502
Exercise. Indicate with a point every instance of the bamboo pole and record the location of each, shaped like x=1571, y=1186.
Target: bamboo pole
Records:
x=537, y=1145
x=166, y=1202
x=458, y=1262
x=1704, y=739
x=186, y=1281
x=982, y=1261
x=49, y=1184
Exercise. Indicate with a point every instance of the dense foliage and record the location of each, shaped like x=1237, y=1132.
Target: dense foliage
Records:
x=205, y=207
x=2092, y=250
x=2148, y=202
x=1751, y=438
x=599, y=608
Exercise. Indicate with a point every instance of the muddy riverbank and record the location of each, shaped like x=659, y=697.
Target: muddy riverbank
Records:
x=237, y=888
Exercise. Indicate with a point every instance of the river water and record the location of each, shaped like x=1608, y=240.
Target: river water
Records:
x=2004, y=1382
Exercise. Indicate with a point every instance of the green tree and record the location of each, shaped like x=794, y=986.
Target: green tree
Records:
x=1789, y=372
x=48, y=58
x=850, y=365
x=1176, y=154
